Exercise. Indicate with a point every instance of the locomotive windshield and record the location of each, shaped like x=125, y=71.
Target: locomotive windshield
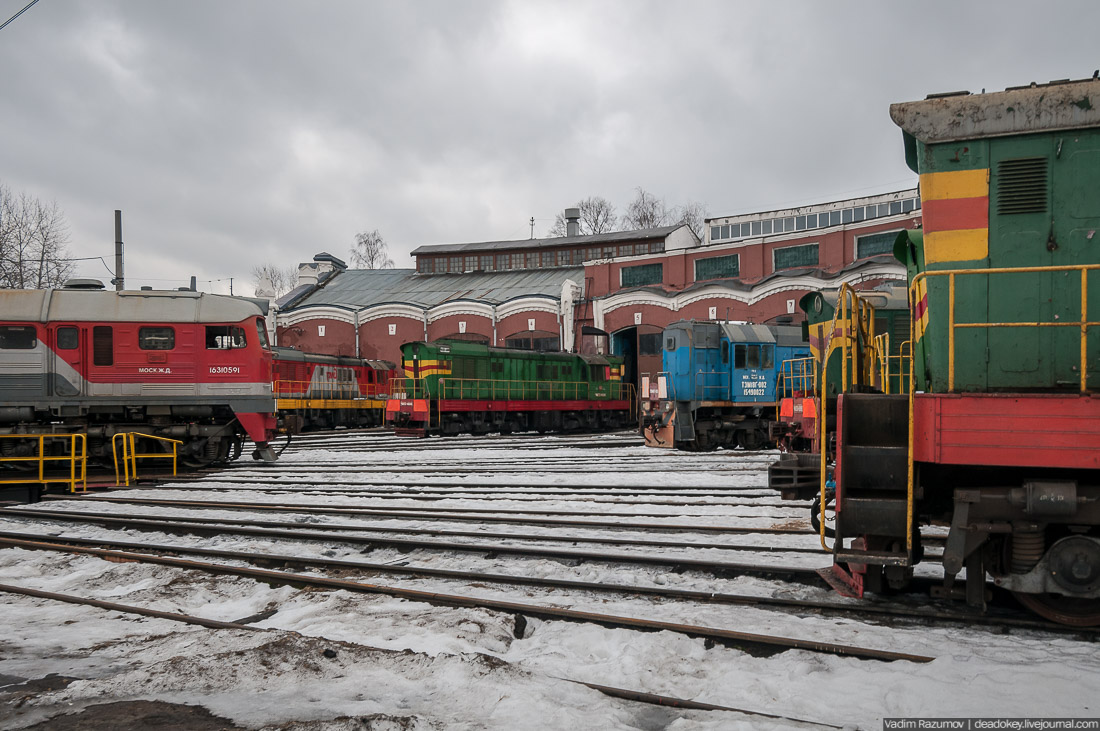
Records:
x=261, y=330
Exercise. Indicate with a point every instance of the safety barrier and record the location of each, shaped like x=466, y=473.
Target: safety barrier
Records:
x=320, y=390
x=130, y=455
x=75, y=457
x=892, y=374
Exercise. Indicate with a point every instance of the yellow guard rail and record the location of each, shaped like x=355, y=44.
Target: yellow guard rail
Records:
x=130, y=455
x=74, y=457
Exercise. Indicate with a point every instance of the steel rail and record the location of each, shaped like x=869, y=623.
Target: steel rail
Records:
x=622, y=693
x=766, y=643
x=409, y=512
x=444, y=489
x=305, y=530
x=442, y=515
x=689, y=501
x=610, y=691
x=673, y=563
x=708, y=597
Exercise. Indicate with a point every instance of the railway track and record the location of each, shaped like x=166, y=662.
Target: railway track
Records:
x=758, y=644
x=245, y=625
x=487, y=512
x=881, y=610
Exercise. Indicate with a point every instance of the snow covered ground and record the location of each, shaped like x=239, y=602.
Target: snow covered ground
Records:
x=322, y=659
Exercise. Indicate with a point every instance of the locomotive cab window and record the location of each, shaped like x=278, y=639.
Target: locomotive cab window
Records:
x=68, y=338
x=225, y=337
x=156, y=338
x=746, y=356
x=725, y=352
x=18, y=337
x=261, y=332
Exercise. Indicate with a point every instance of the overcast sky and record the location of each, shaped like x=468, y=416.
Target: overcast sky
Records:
x=232, y=133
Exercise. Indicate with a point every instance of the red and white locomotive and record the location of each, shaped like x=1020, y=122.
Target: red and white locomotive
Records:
x=178, y=364
x=317, y=391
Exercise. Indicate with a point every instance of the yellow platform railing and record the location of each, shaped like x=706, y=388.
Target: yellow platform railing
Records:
x=77, y=458
x=130, y=455
x=918, y=288
x=852, y=331
x=892, y=368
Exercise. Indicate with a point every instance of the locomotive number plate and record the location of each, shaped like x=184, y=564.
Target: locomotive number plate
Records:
x=222, y=370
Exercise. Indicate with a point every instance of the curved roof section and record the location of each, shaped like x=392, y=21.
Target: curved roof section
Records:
x=84, y=305
x=360, y=288
x=614, y=236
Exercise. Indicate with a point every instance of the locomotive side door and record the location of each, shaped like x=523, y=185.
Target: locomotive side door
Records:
x=66, y=355
x=1020, y=235
x=1075, y=236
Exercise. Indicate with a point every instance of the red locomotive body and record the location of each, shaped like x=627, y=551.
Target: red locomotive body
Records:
x=177, y=364
x=324, y=391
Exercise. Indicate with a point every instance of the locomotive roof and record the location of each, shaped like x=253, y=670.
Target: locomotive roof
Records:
x=460, y=347
x=741, y=332
x=297, y=356
x=82, y=305
x=610, y=237
x=1058, y=105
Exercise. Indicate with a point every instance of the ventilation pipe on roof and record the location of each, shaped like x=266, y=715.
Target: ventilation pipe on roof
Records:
x=572, y=221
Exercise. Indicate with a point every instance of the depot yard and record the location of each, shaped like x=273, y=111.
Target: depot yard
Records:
x=367, y=580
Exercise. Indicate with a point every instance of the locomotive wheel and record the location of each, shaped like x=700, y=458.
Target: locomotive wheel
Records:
x=1072, y=611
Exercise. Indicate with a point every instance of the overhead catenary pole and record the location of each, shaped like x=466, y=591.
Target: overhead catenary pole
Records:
x=120, y=279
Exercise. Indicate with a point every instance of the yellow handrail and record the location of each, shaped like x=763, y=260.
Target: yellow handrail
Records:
x=851, y=309
x=72, y=458
x=130, y=456
x=914, y=287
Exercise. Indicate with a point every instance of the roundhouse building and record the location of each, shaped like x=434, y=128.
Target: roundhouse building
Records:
x=617, y=290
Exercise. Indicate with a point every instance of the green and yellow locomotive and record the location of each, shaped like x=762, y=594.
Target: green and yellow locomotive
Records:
x=454, y=387
x=999, y=436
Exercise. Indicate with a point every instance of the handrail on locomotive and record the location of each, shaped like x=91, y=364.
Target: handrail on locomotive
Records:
x=918, y=290
x=74, y=457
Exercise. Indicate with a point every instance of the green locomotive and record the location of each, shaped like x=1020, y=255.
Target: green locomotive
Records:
x=453, y=387
x=1000, y=435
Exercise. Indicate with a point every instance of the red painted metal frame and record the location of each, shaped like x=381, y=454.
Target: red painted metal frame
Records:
x=1009, y=430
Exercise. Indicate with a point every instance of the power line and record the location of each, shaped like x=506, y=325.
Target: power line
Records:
x=25, y=9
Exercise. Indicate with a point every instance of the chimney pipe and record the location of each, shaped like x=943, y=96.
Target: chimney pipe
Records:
x=572, y=221
x=120, y=277
x=194, y=284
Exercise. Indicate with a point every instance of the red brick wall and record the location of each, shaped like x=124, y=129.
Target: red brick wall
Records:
x=516, y=325
x=339, y=337
x=376, y=343
x=447, y=326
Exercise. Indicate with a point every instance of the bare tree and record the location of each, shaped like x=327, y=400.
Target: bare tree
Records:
x=645, y=211
x=694, y=215
x=33, y=238
x=270, y=280
x=370, y=251
x=597, y=217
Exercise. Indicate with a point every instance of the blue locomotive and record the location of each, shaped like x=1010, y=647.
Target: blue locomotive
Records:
x=718, y=386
